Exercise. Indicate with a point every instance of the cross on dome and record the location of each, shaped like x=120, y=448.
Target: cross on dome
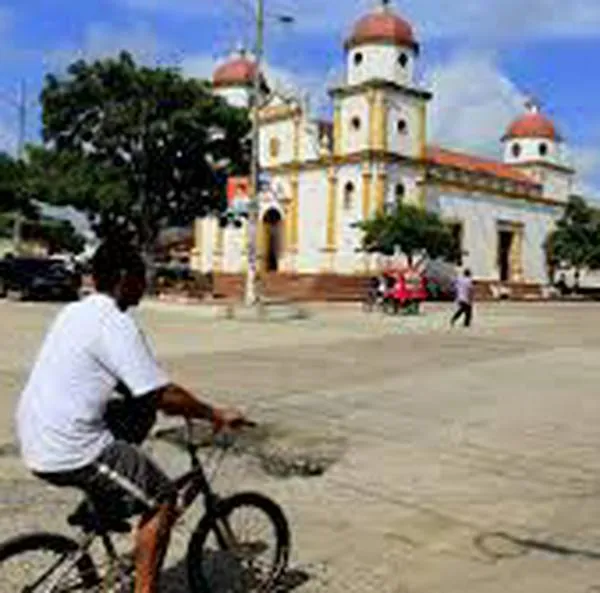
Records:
x=533, y=105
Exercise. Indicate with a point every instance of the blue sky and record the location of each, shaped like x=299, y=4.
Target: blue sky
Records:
x=480, y=59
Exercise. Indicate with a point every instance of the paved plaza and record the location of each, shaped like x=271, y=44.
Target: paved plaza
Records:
x=469, y=460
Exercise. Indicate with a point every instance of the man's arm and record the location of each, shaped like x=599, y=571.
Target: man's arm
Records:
x=174, y=400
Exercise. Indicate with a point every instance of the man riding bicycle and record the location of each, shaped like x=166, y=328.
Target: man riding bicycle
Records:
x=94, y=347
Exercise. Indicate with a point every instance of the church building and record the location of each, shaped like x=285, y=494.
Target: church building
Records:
x=323, y=177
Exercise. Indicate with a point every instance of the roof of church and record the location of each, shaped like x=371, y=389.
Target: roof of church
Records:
x=475, y=164
x=532, y=124
x=382, y=26
x=237, y=71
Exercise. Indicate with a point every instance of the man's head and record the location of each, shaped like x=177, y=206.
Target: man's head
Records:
x=119, y=270
x=467, y=273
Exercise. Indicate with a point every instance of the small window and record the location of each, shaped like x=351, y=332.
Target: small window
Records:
x=355, y=123
x=543, y=149
x=274, y=147
x=516, y=150
x=403, y=60
x=358, y=58
x=402, y=126
x=348, y=195
x=400, y=192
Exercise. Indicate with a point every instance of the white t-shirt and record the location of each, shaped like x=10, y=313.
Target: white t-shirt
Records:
x=464, y=289
x=91, y=345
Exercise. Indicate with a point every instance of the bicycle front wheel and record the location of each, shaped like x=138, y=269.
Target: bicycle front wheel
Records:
x=45, y=562
x=244, y=546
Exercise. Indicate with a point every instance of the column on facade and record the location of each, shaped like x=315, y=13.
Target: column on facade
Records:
x=380, y=118
x=367, y=179
x=380, y=187
x=197, y=251
x=331, y=238
x=372, y=118
x=219, y=248
x=337, y=128
x=422, y=189
x=294, y=215
x=297, y=137
x=516, y=253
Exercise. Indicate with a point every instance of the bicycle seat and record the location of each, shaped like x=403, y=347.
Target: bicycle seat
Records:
x=90, y=521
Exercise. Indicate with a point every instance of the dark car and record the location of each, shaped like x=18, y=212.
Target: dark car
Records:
x=24, y=278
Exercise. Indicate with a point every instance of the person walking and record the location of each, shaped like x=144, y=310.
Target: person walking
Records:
x=464, y=298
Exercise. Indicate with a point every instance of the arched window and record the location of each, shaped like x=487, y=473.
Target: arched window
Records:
x=516, y=150
x=355, y=123
x=403, y=60
x=543, y=149
x=400, y=192
x=349, y=195
x=358, y=58
x=402, y=126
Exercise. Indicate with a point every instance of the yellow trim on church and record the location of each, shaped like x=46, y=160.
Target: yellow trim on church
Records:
x=516, y=252
x=219, y=248
x=372, y=118
x=367, y=178
x=198, y=243
x=380, y=183
x=337, y=129
x=294, y=213
x=332, y=182
x=297, y=134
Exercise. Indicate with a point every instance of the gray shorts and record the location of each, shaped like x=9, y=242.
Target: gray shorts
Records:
x=122, y=483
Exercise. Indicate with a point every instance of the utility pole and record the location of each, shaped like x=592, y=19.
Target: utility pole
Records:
x=18, y=223
x=251, y=293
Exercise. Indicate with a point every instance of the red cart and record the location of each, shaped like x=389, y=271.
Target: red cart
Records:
x=406, y=291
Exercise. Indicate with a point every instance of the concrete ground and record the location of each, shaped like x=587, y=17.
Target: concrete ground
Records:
x=470, y=458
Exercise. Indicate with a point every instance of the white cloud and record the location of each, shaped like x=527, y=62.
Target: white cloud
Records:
x=102, y=40
x=586, y=161
x=493, y=19
x=473, y=103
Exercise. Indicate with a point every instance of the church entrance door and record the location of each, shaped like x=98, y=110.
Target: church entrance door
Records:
x=505, y=243
x=273, y=239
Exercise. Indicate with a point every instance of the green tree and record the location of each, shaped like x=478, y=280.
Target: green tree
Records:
x=157, y=132
x=412, y=230
x=58, y=235
x=575, y=242
x=13, y=195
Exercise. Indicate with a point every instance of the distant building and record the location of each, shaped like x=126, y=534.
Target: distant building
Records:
x=325, y=176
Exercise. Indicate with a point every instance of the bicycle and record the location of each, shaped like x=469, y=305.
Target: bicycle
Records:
x=73, y=569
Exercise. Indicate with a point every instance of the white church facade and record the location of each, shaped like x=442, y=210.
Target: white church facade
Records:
x=326, y=176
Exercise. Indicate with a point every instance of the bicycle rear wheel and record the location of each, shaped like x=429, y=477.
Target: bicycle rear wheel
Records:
x=243, y=547
x=45, y=562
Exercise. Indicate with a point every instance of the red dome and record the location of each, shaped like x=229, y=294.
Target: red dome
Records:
x=238, y=71
x=532, y=125
x=382, y=27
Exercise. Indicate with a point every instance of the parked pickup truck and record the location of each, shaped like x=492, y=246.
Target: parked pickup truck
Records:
x=585, y=283
x=24, y=278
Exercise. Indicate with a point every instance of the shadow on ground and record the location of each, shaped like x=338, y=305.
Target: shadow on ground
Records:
x=174, y=580
x=499, y=545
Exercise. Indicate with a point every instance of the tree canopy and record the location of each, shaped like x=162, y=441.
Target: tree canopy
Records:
x=575, y=242
x=148, y=140
x=410, y=229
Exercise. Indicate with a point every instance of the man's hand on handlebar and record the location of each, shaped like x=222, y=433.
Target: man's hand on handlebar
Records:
x=229, y=419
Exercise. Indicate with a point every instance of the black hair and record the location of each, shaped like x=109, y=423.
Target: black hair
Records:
x=467, y=272
x=112, y=258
